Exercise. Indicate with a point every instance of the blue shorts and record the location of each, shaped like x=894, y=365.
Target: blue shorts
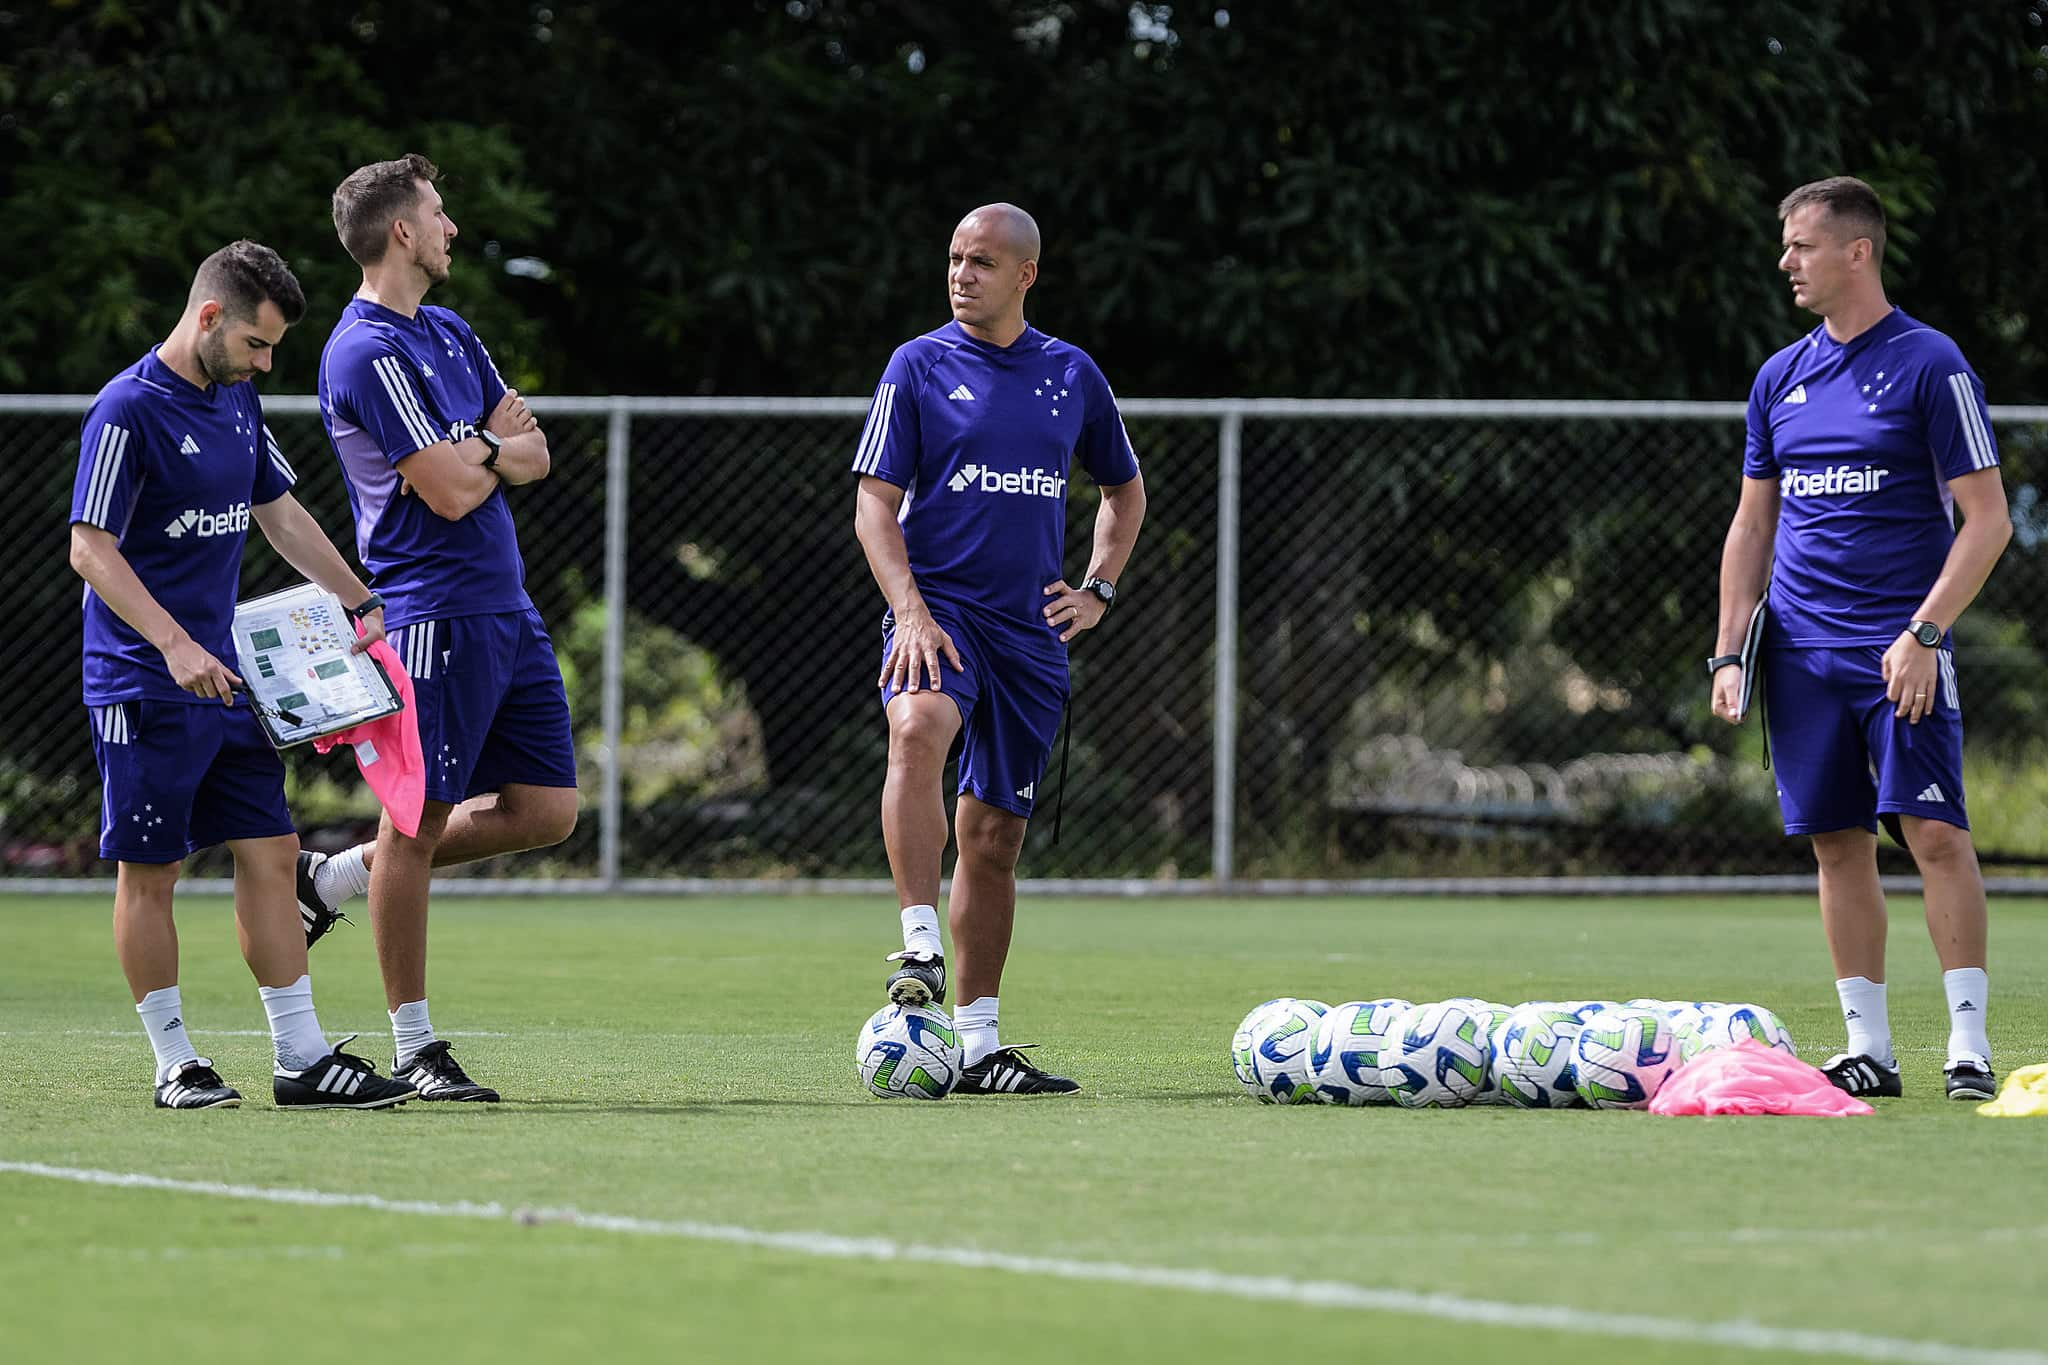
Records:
x=1840, y=754
x=492, y=712
x=176, y=777
x=1011, y=693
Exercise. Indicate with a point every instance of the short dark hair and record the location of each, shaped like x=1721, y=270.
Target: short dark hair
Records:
x=1847, y=199
x=241, y=275
x=373, y=196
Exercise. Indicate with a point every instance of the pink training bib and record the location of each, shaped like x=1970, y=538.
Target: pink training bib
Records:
x=1753, y=1079
x=388, y=750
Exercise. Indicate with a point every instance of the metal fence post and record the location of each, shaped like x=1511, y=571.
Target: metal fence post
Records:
x=609, y=808
x=1223, y=812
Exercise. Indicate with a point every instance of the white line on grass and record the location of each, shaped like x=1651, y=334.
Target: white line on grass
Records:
x=1748, y=1336
x=221, y=1032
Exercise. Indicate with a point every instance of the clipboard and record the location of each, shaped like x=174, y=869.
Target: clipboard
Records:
x=1752, y=646
x=295, y=652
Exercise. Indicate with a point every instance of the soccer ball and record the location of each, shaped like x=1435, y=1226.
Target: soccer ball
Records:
x=1682, y=1014
x=1436, y=1057
x=1687, y=1015
x=908, y=1052
x=1727, y=1025
x=1270, y=1050
x=1532, y=1057
x=1586, y=1009
x=1489, y=1014
x=1623, y=1057
x=1344, y=1061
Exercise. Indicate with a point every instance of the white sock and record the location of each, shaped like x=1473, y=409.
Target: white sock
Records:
x=294, y=1028
x=1967, y=989
x=1868, y=1016
x=163, y=1019
x=342, y=877
x=921, y=929
x=410, y=1030
x=976, y=1022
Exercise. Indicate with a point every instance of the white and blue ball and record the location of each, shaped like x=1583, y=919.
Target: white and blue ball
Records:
x=1623, y=1057
x=1270, y=1051
x=1489, y=1013
x=908, y=1052
x=1532, y=1057
x=1344, y=1054
x=1437, y=1056
x=1727, y=1025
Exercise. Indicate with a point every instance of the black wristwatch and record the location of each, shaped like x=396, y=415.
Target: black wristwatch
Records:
x=1721, y=661
x=1926, y=632
x=490, y=438
x=374, y=602
x=1103, y=589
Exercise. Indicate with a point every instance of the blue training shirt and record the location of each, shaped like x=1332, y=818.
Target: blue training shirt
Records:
x=172, y=470
x=390, y=386
x=980, y=438
x=1863, y=438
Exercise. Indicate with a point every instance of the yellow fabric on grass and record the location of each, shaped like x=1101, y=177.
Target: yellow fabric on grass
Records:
x=2025, y=1095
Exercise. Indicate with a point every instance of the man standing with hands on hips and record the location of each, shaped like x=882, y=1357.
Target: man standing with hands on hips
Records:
x=1866, y=436
x=961, y=511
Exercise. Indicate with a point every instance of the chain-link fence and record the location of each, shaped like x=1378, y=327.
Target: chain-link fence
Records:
x=1359, y=640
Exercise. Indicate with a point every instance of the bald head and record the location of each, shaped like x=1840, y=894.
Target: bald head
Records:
x=1007, y=224
x=992, y=262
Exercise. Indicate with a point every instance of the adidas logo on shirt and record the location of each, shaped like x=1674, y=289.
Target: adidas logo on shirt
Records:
x=234, y=521
x=1027, y=789
x=190, y=446
x=1932, y=792
x=962, y=394
x=1798, y=395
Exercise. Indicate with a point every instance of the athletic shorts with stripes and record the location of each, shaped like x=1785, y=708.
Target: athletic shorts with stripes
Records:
x=176, y=777
x=1841, y=755
x=492, y=712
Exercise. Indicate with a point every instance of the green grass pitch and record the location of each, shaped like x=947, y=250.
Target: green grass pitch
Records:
x=685, y=1068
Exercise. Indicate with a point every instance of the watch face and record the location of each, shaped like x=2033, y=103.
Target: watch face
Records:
x=1928, y=634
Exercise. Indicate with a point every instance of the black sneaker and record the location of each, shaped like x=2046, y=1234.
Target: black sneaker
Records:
x=339, y=1081
x=1005, y=1072
x=319, y=917
x=921, y=980
x=196, y=1085
x=439, y=1076
x=1862, y=1075
x=1969, y=1081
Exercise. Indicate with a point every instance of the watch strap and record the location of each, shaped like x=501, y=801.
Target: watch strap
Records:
x=1721, y=661
x=374, y=602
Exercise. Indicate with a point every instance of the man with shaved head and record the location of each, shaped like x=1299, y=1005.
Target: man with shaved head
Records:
x=962, y=512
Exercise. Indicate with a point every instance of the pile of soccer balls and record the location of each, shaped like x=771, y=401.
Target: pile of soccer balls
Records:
x=1451, y=1053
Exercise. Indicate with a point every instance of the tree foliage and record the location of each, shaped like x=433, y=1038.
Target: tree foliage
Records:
x=1460, y=199
x=1284, y=198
